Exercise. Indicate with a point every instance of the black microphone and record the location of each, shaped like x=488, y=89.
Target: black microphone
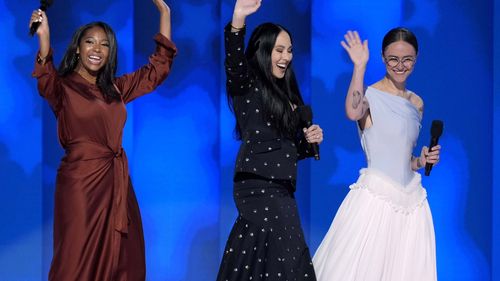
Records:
x=44, y=4
x=306, y=116
x=436, y=131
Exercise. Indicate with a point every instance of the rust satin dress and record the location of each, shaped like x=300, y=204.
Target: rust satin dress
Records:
x=97, y=224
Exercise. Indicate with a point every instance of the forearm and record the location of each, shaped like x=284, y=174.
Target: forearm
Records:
x=354, y=106
x=238, y=22
x=44, y=41
x=235, y=62
x=165, y=24
x=416, y=163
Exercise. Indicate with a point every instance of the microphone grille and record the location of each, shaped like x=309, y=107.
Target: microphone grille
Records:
x=436, y=128
x=46, y=3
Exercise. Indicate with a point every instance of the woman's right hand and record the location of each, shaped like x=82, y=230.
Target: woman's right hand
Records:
x=357, y=50
x=242, y=9
x=42, y=32
x=41, y=17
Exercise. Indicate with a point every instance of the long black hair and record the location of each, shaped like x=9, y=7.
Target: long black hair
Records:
x=399, y=34
x=277, y=94
x=106, y=75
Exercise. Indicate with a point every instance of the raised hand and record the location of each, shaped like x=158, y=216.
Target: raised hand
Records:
x=162, y=6
x=357, y=50
x=42, y=32
x=246, y=7
x=165, y=22
x=242, y=9
x=41, y=17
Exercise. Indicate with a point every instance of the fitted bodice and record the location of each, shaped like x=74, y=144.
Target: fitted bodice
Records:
x=389, y=142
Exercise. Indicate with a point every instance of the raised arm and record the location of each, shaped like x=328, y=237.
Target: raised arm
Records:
x=165, y=22
x=236, y=66
x=44, y=71
x=242, y=9
x=43, y=33
x=356, y=106
x=145, y=79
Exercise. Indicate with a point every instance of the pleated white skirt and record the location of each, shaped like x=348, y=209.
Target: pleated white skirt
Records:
x=382, y=231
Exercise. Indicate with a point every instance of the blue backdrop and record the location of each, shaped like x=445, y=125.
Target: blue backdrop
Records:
x=180, y=139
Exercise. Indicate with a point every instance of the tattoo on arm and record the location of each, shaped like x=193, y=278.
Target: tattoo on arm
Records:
x=357, y=97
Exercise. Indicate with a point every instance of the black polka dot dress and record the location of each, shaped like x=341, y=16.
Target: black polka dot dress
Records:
x=266, y=241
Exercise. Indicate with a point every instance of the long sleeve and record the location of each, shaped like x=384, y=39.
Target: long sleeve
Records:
x=304, y=149
x=148, y=77
x=238, y=78
x=48, y=81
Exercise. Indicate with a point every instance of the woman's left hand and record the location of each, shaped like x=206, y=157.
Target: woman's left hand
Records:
x=431, y=157
x=313, y=134
x=162, y=6
x=165, y=25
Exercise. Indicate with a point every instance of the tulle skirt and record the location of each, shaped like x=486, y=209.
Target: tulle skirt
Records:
x=382, y=231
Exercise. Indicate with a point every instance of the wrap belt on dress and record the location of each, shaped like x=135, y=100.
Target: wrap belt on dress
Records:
x=88, y=150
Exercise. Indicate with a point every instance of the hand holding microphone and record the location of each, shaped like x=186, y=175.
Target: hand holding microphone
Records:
x=36, y=21
x=312, y=133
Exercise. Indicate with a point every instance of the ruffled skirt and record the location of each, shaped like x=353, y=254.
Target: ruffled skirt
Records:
x=382, y=231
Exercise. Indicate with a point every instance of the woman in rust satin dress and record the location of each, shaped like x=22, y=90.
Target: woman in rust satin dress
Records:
x=97, y=225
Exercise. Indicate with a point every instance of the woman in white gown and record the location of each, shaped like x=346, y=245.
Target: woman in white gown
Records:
x=383, y=230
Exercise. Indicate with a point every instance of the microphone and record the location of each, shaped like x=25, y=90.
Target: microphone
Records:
x=306, y=116
x=436, y=131
x=44, y=4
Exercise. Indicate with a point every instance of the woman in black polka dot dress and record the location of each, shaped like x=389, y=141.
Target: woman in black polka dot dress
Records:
x=267, y=241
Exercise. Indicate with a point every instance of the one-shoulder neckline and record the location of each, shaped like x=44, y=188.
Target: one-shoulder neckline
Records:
x=396, y=96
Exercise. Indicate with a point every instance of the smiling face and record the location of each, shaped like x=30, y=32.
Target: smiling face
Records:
x=281, y=55
x=399, y=58
x=93, y=51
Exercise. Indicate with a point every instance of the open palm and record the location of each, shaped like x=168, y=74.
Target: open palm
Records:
x=246, y=7
x=358, y=52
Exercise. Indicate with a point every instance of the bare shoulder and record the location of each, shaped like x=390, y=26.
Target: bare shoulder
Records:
x=378, y=85
x=417, y=101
